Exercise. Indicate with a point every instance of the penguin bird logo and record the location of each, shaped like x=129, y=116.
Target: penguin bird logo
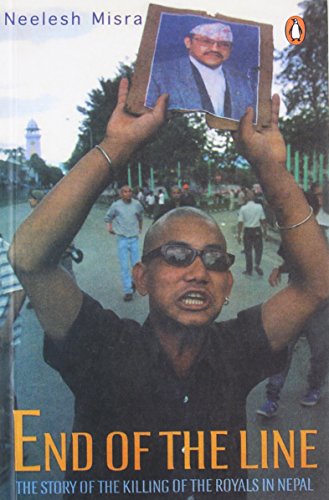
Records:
x=295, y=30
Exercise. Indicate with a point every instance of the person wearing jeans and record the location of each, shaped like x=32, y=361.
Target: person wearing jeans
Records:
x=125, y=219
x=315, y=331
x=127, y=251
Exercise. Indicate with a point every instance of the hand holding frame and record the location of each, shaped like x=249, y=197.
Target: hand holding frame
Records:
x=126, y=132
x=265, y=148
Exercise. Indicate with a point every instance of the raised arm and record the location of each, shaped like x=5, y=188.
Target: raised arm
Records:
x=45, y=234
x=285, y=313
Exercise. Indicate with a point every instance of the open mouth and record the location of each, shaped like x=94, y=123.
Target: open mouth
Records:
x=194, y=299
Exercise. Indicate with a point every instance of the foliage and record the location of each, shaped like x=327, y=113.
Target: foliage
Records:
x=305, y=83
x=48, y=176
x=182, y=139
x=37, y=163
x=16, y=155
x=55, y=175
x=3, y=171
x=306, y=133
x=11, y=168
x=97, y=111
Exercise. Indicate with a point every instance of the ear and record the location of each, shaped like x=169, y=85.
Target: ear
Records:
x=187, y=42
x=139, y=278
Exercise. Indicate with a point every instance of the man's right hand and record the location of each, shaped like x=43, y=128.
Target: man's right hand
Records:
x=125, y=132
x=110, y=228
x=275, y=277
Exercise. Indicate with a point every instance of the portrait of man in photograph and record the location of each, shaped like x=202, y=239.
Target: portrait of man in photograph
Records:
x=205, y=65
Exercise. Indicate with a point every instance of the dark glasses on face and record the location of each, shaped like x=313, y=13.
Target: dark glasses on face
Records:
x=182, y=255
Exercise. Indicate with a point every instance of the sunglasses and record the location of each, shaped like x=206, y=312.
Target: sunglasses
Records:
x=182, y=255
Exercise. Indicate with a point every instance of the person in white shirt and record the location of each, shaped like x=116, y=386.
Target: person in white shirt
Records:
x=252, y=221
x=323, y=214
x=140, y=196
x=150, y=203
x=161, y=197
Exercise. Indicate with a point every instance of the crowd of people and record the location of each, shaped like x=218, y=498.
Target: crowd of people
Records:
x=182, y=369
x=253, y=222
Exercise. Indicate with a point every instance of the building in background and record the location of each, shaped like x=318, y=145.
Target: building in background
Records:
x=33, y=140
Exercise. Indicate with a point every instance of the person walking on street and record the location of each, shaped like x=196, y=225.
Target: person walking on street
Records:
x=315, y=330
x=125, y=220
x=140, y=196
x=252, y=221
x=150, y=204
x=161, y=197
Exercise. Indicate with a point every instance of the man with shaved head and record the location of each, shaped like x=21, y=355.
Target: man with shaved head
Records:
x=202, y=80
x=165, y=401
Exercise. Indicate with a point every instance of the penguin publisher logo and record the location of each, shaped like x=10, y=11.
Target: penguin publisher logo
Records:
x=295, y=30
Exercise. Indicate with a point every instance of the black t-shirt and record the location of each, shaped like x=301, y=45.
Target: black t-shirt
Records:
x=124, y=383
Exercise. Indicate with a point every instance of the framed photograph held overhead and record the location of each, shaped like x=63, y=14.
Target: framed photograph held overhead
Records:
x=212, y=64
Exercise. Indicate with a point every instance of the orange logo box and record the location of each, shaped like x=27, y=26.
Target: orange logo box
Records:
x=295, y=30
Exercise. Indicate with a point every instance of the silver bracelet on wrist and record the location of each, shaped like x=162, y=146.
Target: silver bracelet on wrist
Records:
x=293, y=226
x=104, y=153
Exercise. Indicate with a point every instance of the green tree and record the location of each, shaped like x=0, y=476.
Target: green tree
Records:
x=182, y=139
x=55, y=175
x=48, y=175
x=15, y=154
x=11, y=167
x=304, y=78
x=97, y=111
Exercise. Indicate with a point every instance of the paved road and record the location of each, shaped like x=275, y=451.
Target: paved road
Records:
x=39, y=387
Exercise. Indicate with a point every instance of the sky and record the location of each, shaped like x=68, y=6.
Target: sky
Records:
x=48, y=70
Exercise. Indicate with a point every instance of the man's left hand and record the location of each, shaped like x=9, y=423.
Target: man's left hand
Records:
x=265, y=147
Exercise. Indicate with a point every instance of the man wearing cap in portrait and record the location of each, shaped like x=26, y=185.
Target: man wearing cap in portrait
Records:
x=202, y=80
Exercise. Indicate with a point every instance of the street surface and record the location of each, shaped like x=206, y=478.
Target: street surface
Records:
x=39, y=387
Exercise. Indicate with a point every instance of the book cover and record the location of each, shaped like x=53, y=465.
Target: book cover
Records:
x=61, y=65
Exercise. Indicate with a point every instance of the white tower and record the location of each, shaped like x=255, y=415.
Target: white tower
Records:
x=32, y=139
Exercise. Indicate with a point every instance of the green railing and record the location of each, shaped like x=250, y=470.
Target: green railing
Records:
x=306, y=169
